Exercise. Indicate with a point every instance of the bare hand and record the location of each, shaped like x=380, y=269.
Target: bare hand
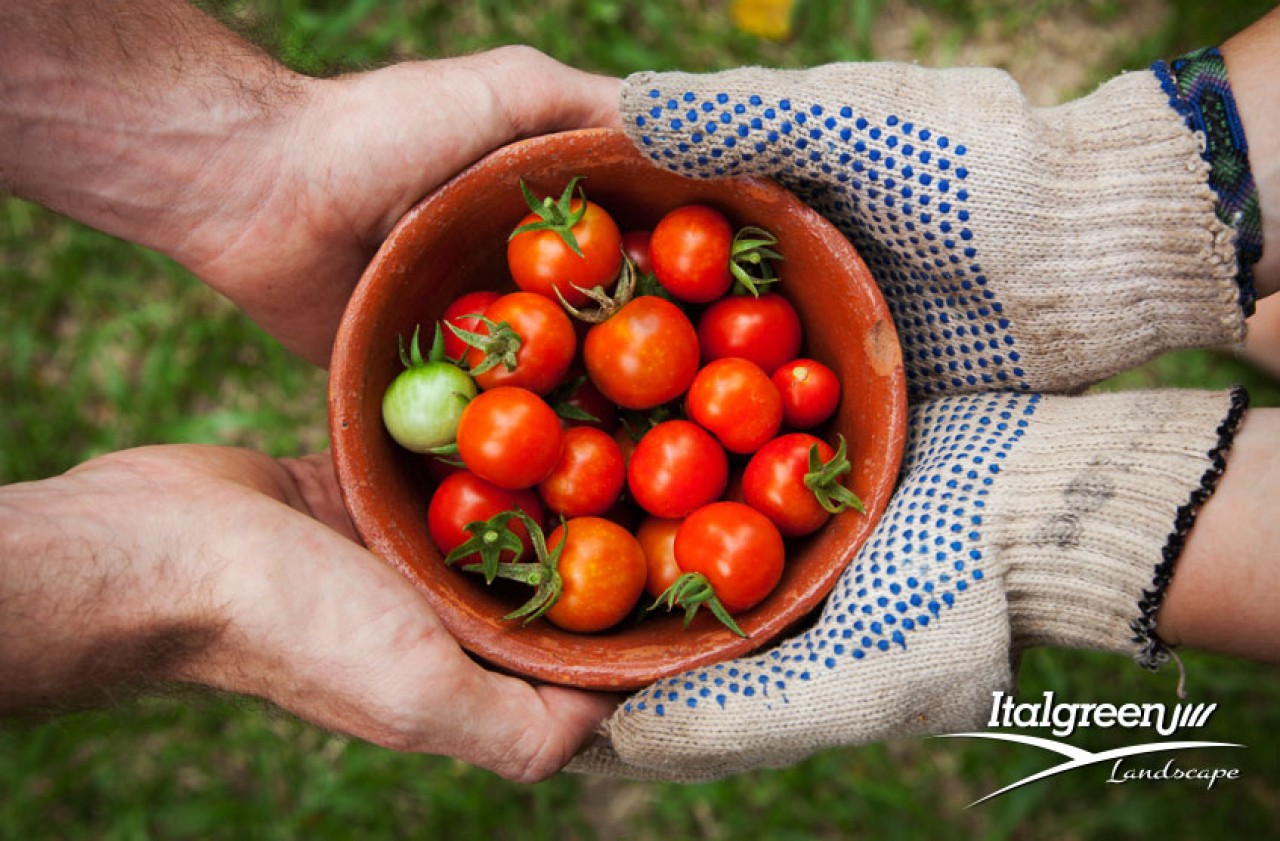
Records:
x=357, y=154
x=241, y=570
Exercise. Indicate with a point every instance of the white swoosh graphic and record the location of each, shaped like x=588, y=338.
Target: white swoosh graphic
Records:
x=1078, y=757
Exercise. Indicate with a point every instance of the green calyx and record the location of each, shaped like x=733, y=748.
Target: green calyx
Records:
x=490, y=538
x=691, y=591
x=751, y=258
x=555, y=214
x=411, y=357
x=823, y=479
x=499, y=346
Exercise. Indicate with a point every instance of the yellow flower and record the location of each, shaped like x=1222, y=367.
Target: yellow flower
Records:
x=764, y=18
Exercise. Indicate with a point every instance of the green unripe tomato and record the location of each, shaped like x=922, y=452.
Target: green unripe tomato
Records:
x=422, y=406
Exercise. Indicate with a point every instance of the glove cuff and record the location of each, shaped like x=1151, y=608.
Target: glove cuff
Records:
x=1093, y=526
x=1199, y=90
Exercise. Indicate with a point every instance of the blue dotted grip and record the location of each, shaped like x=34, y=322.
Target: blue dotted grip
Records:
x=899, y=191
x=923, y=557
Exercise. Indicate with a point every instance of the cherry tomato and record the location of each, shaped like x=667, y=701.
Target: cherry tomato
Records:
x=737, y=402
x=463, y=498
x=464, y=314
x=676, y=467
x=547, y=343
x=635, y=244
x=765, y=330
x=589, y=476
x=644, y=355
x=422, y=406
x=602, y=568
x=773, y=483
x=657, y=537
x=810, y=392
x=510, y=436
x=542, y=262
x=690, y=250
x=737, y=548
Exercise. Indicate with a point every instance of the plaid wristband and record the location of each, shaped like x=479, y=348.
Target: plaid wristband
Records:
x=1199, y=90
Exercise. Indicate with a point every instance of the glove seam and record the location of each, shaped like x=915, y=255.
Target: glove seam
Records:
x=1153, y=652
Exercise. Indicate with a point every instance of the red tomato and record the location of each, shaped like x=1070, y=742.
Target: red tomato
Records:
x=603, y=571
x=676, y=467
x=464, y=314
x=463, y=498
x=765, y=330
x=735, y=400
x=510, y=436
x=548, y=343
x=657, y=537
x=589, y=476
x=542, y=262
x=635, y=244
x=690, y=250
x=810, y=392
x=773, y=483
x=737, y=548
x=644, y=355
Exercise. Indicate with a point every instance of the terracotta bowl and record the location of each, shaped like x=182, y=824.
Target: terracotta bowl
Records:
x=453, y=242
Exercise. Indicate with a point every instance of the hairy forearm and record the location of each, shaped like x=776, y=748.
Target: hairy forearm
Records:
x=83, y=613
x=1253, y=62
x=128, y=114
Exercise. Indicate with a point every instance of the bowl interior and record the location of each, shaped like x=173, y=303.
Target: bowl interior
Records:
x=453, y=242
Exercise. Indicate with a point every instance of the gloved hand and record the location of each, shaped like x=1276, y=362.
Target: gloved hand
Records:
x=1032, y=249
x=1021, y=520
x=1021, y=250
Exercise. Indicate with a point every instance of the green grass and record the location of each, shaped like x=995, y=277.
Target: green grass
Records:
x=109, y=346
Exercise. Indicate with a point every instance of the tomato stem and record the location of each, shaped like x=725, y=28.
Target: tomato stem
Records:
x=751, y=259
x=499, y=346
x=823, y=479
x=555, y=214
x=606, y=304
x=489, y=538
x=493, y=536
x=690, y=591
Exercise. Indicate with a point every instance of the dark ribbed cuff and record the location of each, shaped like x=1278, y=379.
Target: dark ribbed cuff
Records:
x=1199, y=90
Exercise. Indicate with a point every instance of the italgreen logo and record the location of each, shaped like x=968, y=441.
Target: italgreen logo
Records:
x=1063, y=719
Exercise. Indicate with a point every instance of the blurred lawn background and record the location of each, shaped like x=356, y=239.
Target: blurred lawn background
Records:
x=108, y=346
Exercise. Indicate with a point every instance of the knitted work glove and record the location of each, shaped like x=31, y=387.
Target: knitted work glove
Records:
x=1021, y=520
x=1035, y=249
